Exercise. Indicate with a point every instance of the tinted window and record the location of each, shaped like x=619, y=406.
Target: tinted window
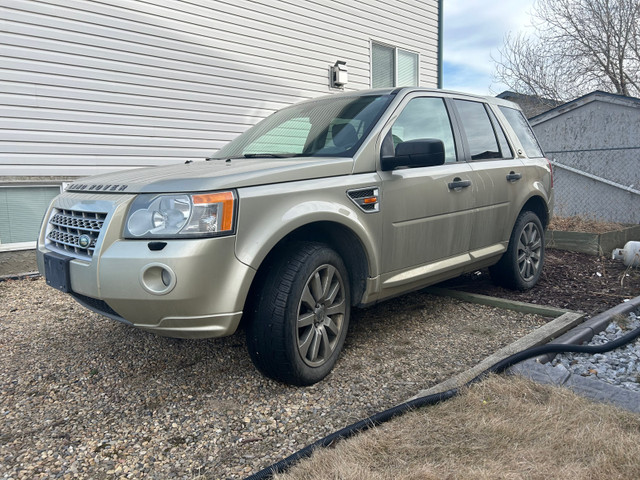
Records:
x=523, y=130
x=330, y=126
x=422, y=118
x=505, y=148
x=480, y=134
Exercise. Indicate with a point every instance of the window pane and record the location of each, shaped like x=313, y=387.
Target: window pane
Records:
x=480, y=134
x=523, y=130
x=422, y=118
x=289, y=137
x=382, y=66
x=308, y=128
x=21, y=212
x=407, y=69
x=505, y=148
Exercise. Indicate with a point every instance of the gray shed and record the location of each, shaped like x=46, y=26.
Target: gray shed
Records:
x=594, y=145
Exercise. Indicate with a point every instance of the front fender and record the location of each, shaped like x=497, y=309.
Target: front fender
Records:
x=268, y=214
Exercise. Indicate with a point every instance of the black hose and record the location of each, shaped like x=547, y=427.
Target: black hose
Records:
x=435, y=398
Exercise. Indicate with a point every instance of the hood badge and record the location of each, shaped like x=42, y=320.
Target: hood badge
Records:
x=85, y=187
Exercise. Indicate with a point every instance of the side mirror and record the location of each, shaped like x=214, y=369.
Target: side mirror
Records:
x=422, y=152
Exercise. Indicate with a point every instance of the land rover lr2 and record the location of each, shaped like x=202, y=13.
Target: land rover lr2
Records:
x=333, y=203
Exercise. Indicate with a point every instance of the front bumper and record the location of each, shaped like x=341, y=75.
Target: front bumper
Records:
x=185, y=288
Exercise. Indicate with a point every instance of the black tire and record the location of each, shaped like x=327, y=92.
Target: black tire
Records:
x=302, y=315
x=521, y=265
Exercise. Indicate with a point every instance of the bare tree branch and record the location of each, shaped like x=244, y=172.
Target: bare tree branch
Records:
x=577, y=46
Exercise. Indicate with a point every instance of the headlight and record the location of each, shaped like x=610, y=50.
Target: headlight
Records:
x=181, y=215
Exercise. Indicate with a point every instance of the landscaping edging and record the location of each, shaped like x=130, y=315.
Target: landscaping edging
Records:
x=591, y=243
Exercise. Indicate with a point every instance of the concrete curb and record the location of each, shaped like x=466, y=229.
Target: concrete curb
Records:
x=521, y=307
x=539, y=370
x=585, y=332
x=566, y=329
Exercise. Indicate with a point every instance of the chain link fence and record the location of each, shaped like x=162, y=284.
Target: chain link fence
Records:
x=610, y=194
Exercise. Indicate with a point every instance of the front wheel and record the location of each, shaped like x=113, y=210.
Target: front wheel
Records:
x=521, y=265
x=301, y=319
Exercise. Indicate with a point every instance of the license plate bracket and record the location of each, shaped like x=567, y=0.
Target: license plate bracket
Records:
x=56, y=271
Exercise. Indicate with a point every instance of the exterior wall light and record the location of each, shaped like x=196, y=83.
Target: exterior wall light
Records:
x=339, y=74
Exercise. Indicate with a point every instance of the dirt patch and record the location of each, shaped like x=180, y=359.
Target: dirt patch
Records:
x=575, y=281
x=584, y=225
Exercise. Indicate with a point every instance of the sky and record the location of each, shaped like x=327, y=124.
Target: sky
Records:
x=474, y=30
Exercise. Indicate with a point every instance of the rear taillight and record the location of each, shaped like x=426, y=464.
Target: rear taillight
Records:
x=550, y=171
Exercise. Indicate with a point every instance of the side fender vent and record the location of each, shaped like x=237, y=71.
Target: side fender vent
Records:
x=367, y=199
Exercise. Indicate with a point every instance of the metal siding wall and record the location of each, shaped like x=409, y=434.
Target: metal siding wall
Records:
x=88, y=87
x=601, y=139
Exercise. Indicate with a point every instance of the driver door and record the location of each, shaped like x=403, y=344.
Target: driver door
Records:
x=427, y=211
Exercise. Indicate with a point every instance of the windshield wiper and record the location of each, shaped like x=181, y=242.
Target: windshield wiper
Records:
x=269, y=155
x=255, y=155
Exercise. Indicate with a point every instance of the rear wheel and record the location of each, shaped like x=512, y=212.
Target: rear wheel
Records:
x=521, y=265
x=302, y=315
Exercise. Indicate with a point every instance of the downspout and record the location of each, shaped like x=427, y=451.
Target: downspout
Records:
x=440, y=43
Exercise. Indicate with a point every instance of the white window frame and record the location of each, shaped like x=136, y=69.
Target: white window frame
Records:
x=395, y=61
x=17, y=246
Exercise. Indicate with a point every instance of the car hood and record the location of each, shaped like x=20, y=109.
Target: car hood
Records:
x=214, y=175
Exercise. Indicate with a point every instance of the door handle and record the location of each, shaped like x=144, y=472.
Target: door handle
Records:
x=459, y=184
x=513, y=177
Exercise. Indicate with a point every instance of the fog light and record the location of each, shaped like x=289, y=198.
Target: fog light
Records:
x=157, y=279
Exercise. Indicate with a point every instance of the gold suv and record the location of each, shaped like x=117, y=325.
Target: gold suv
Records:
x=329, y=204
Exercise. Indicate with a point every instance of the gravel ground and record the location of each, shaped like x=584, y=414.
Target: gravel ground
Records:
x=86, y=397
x=620, y=367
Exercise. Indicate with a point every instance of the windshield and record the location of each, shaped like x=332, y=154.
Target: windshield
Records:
x=333, y=126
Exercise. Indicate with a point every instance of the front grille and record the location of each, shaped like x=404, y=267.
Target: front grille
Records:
x=75, y=232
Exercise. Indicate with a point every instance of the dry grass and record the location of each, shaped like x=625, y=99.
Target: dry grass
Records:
x=502, y=428
x=582, y=224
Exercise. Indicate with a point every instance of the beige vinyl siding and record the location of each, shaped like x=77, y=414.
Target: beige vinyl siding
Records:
x=88, y=87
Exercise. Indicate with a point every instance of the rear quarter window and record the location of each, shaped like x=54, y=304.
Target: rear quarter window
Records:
x=523, y=130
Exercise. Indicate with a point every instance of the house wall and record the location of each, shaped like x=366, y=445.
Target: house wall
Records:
x=596, y=139
x=89, y=87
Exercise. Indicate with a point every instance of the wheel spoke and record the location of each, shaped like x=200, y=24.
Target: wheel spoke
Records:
x=521, y=246
x=306, y=342
x=327, y=281
x=535, y=246
x=305, y=320
x=331, y=326
x=325, y=345
x=315, y=345
x=316, y=286
x=307, y=298
x=336, y=308
x=332, y=294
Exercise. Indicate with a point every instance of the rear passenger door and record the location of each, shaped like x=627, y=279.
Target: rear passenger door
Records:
x=427, y=220
x=496, y=174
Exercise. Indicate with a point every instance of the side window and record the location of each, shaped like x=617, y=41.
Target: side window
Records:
x=425, y=117
x=480, y=134
x=523, y=130
x=505, y=148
